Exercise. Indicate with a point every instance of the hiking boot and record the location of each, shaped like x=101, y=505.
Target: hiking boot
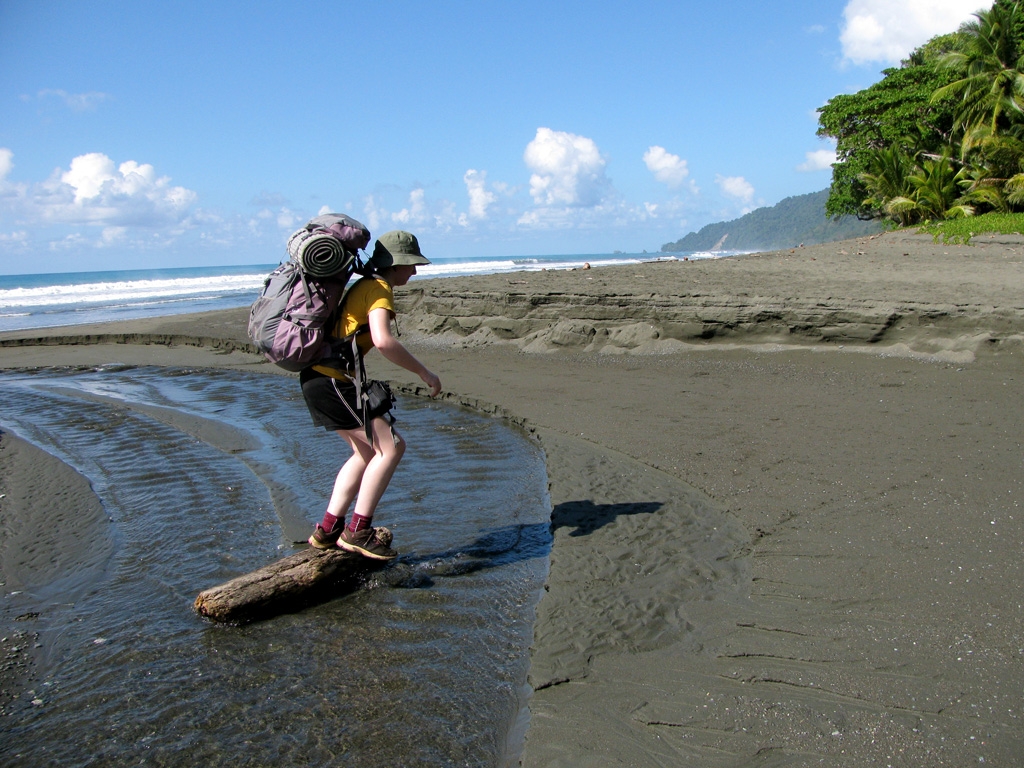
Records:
x=321, y=539
x=369, y=542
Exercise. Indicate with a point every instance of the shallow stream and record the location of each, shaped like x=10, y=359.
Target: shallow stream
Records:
x=205, y=475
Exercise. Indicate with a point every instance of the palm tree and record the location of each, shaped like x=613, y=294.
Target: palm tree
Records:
x=937, y=190
x=907, y=192
x=992, y=87
x=887, y=183
x=993, y=175
x=985, y=190
x=1013, y=191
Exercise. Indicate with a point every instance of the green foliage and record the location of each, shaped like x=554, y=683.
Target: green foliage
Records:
x=937, y=190
x=795, y=220
x=886, y=182
x=942, y=136
x=990, y=86
x=963, y=229
x=898, y=111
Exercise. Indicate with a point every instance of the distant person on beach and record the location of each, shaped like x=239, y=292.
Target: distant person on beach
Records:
x=330, y=393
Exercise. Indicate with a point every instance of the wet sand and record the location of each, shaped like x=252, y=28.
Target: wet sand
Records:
x=847, y=419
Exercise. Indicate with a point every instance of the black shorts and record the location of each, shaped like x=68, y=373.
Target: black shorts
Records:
x=331, y=402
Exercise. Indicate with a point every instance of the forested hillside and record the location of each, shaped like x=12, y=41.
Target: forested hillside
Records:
x=795, y=220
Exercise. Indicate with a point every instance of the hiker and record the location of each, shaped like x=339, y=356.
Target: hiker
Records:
x=331, y=395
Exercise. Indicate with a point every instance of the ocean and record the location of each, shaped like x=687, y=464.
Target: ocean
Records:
x=78, y=298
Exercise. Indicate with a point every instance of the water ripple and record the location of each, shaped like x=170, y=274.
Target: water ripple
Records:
x=206, y=475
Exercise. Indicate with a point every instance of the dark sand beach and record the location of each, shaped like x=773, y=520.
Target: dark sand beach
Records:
x=841, y=424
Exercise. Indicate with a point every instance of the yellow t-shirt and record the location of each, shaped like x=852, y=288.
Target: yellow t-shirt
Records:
x=368, y=294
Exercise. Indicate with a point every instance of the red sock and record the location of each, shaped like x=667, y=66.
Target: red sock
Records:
x=329, y=522
x=359, y=523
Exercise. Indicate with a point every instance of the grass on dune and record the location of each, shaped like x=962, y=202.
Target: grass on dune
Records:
x=963, y=229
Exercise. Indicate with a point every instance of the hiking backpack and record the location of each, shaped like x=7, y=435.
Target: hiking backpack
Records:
x=290, y=321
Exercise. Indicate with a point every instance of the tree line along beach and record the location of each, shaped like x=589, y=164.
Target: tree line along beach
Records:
x=840, y=424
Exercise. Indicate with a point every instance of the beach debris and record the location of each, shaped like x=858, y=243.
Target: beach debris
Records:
x=284, y=586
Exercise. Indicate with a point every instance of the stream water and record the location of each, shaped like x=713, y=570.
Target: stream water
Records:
x=205, y=475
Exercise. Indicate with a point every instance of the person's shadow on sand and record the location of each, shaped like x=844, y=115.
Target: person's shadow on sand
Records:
x=586, y=517
x=510, y=543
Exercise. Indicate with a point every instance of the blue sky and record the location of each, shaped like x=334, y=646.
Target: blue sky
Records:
x=138, y=134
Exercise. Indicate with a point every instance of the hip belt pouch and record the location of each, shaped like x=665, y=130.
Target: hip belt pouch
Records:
x=378, y=399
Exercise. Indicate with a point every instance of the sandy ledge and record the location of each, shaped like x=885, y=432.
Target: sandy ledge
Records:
x=839, y=425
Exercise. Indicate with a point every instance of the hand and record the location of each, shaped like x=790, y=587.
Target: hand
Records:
x=431, y=381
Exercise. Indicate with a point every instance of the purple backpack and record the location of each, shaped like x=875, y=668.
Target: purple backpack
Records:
x=290, y=321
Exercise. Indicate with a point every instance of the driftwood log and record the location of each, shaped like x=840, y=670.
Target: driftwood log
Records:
x=284, y=586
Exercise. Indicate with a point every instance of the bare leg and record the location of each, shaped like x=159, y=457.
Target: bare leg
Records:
x=386, y=453
x=346, y=484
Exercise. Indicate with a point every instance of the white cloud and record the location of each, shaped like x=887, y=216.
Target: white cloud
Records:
x=479, y=197
x=94, y=190
x=290, y=220
x=736, y=187
x=88, y=174
x=77, y=102
x=886, y=31
x=113, y=235
x=446, y=216
x=667, y=168
x=100, y=212
x=419, y=212
x=72, y=242
x=21, y=236
x=6, y=158
x=818, y=160
x=415, y=213
x=373, y=213
x=567, y=170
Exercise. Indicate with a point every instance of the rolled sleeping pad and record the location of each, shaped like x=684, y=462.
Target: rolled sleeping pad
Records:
x=318, y=253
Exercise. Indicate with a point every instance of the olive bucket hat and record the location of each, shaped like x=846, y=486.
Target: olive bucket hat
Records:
x=397, y=248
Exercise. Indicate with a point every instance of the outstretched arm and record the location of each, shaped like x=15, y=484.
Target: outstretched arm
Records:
x=394, y=351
